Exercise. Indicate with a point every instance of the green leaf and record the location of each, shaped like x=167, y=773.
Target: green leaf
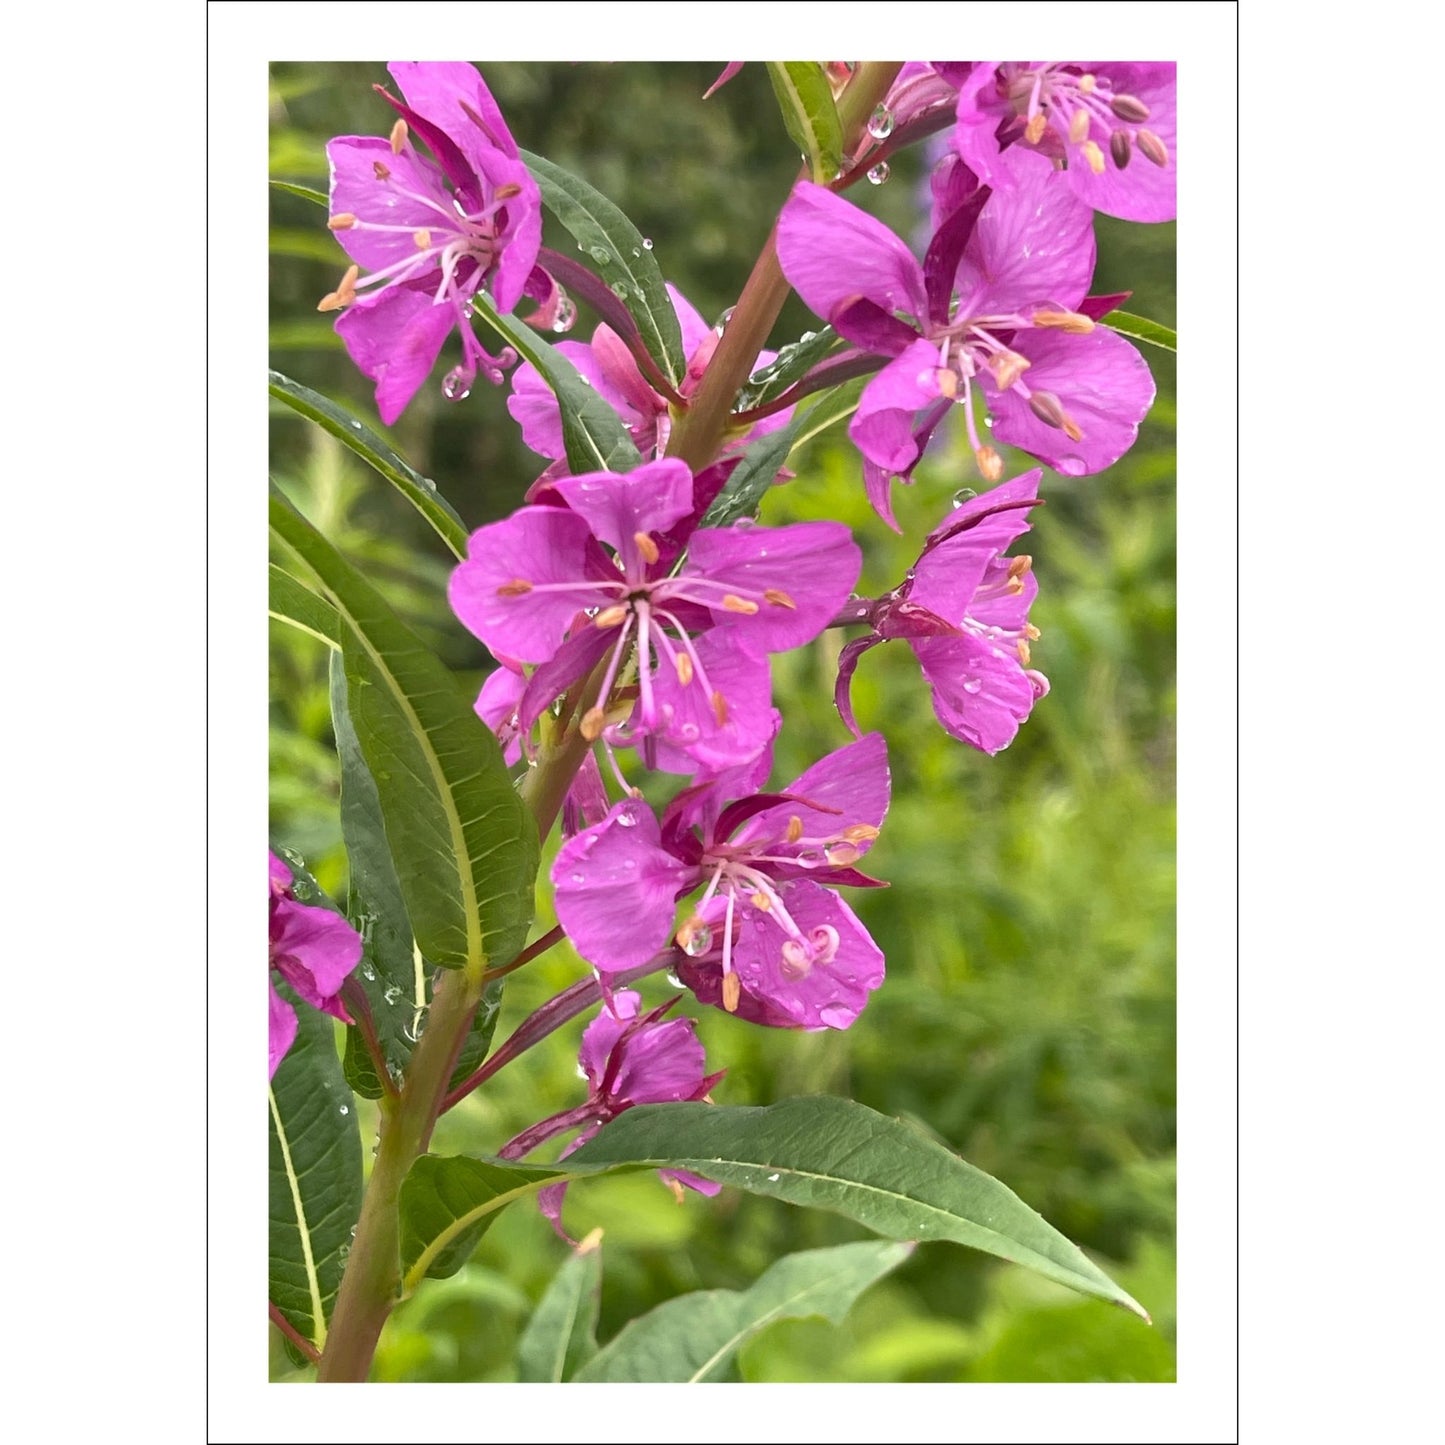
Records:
x=837, y=1155
x=594, y=435
x=831, y=407
x=622, y=258
x=420, y=491
x=806, y=100
x=1142, y=329
x=463, y=844
x=744, y=489
x=315, y=1166
x=293, y=602
x=561, y=1336
x=447, y=1204
x=692, y=1339
x=306, y=193
x=791, y=364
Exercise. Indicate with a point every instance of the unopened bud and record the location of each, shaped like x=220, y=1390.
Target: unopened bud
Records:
x=732, y=990
x=1094, y=156
x=684, y=668
x=733, y=603
x=1153, y=147
x=342, y=222
x=398, y=136
x=593, y=721
x=1079, y=126
x=1034, y=130
x=646, y=546
x=1130, y=108
x=1073, y=322
x=1120, y=148
x=779, y=598
x=990, y=464
x=610, y=616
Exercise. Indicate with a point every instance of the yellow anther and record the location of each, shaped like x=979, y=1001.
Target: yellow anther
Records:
x=381, y=172
x=860, y=832
x=422, y=239
x=761, y=901
x=732, y=990
x=610, y=616
x=1019, y=565
x=947, y=382
x=593, y=721
x=779, y=598
x=990, y=464
x=1013, y=585
x=795, y=828
x=1007, y=366
x=647, y=547
x=677, y=1190
x=733, y=603
x=684, y=668
x=843, y=854
x=398, y=136
x=342, y=222
x=1031, y=632
x=344, y=294
x=517, y=587
x=1088, y=83
x=1073, y=322
x=591, y=1241
x=505, y=193
x=1023, y=651
x=1034, y=130
x=1072, y=429
x=1079, y=127
x=1094, y=156
x=720, y=708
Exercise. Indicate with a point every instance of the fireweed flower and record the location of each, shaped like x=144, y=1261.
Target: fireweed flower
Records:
x=1110, y=125
x=964, y=611
x=613, y=373
x=628, y=1059
x=539, y=587
x=314, y=950
x=430, y=232
x=996, y=303
x=763, y=862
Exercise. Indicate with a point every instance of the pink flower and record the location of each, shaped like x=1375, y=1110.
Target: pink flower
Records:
x=430, y=232
x=314, y=950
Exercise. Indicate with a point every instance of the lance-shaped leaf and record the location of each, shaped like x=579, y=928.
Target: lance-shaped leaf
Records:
x=743, y=491
x=420, y=491
x=595, y=438
x=315, y=1174
x=561, y=1336
x=806, y=100
x=447, y=1204
x=462, y=843
x=791, y=364
x=1142, y=329
x=294, y=603
x=395, y=977
x=838, y=1155
x=622, y=258
x=693, y=1339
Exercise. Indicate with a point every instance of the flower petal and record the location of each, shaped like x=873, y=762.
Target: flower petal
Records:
x=412, y=197
x=617, y=505
x=980, y=694
x=395, y=337
x=282, y=1028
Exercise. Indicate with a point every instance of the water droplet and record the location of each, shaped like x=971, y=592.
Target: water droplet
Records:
x=391, y=996
x=720, y=325
x=636, y=251
x=600, y=254
x=988, y=420
x=627, y=819
x=427, y=485
x=368, y=973
x=619, y=289
x=878, y=174
x=835, y=1016
x=357, y=425
x=962, y=495
x=674, y=980
x=344, y=1109
x=880, y=123
x=343, y=1250
x=455, y=385
x=973, y=686
x=1071, y=466
x=566, y=317
x=698, y=941
x=773, y=1178
x=578, y=877
x=647, y=243
x=628, y=863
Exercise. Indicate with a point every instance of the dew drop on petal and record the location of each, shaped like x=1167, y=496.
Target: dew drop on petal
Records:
x=578, y=878
x=973, y=686
x=880, y=123
x=627, y=819
x=879, y=173
x=835, y=1015
x=1070, y=466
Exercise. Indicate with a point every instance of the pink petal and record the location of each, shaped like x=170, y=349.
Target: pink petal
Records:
x=395, y=337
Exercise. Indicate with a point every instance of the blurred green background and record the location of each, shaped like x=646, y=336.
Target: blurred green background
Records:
x=1028, y=1018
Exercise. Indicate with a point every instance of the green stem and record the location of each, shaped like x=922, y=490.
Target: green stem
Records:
x=698, y=431
x=372, y=1280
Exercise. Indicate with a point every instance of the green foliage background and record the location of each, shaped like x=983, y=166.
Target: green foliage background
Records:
x=1028, y=1019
